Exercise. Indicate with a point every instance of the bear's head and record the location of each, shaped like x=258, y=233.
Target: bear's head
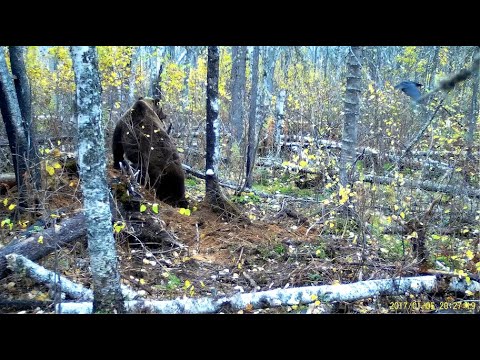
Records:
x=154, y=104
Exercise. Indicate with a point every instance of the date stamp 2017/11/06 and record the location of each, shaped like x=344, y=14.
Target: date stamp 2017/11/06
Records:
x=431, y=306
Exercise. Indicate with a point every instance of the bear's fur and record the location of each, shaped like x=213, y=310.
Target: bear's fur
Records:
x=141, y=136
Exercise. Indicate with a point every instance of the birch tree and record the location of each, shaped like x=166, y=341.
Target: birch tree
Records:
x=239, y=59
x=92, y=163
x=352, y=109
x=213, y=193
x=472, y=123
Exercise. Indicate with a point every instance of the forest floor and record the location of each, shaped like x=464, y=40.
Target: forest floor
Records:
x=226, y=257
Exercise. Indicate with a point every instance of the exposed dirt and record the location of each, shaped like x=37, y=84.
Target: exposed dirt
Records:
x=223, y=257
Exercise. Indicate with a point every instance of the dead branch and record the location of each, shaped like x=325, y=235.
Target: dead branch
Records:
x=427, y=185
x=66, y=232
x=21, y=264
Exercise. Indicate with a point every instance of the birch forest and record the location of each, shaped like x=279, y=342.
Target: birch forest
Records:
x=239, y=179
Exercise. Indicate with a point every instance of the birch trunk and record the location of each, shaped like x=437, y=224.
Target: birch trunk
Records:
x=92, y=163
x=472, y=123
x=239, y=56
x=213, y=193
x=293, y=296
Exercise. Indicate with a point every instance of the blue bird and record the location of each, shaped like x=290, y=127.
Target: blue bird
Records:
x=411, y=88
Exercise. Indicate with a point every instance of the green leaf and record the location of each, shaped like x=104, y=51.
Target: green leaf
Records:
x=143, y=208
x=155, y=208
x=118, y=226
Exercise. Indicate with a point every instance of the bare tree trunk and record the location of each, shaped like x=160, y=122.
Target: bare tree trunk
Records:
x=133, y=68
x=12, y=118
x=92, y=163
x=352, y=110
x=252, y=117
x=325, y=62
x=279, y=121
x=213, y=193
x=213, y=126
x=22, y=88
x=239, y=58
x=472, y=123
x=433, y=69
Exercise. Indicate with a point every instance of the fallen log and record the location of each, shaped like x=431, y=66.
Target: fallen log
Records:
x=21, y=264
x=284, y=297
x=7, y=306
x=427, y=185
x=67, y=231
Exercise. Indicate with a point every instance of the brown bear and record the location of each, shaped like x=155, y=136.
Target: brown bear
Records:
x=141, y=136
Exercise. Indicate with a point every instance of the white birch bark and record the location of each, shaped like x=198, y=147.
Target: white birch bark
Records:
x=283, y=297
x=96, y=195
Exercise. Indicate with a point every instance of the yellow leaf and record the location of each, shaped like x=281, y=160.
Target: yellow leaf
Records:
x=336, y=282
x=184, y=211
x=54, y=216
x=468, y=293
x=332, y=225
x=313, y=297
x=40, y=239
x=317, y=303
x=57, y=152
x=469, y=254
x=57, y=166
x=194, y=208
x=155, y=208
x=187, y=284
x=180, y=150
x=72, y=184
x=202, y=284
x=47, y=151
x=5, y=222
x=58, y=142
x=143, y=208
x=395, y=207
x=142, y=282
x=252, y=217
x=303, y=163
x=12, y=206
x=5, y=202
x=50, y=170
x=402, y=215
